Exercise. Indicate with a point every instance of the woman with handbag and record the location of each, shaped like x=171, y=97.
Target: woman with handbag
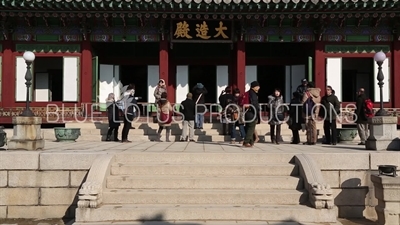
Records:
x=164, y=115
x=277, y=115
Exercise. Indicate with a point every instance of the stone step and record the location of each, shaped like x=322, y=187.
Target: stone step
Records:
x=204, y=170
x=174, y=212
x=96, y=125
x=201, y=196
x=188, y=182
x=204, y=223
x=205, y=158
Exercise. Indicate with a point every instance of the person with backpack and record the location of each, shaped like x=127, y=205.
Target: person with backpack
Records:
x=249, y=101
x=199, y=92
x=330, y=108
x=225, y=99
x=188, y=108
x=363, y=111
x=277, y=115
x=311, y=105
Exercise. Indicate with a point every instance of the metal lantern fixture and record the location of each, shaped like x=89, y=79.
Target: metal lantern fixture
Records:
x=29, y=57
x=379, y=58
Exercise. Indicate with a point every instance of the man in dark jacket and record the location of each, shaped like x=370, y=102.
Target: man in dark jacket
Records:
x=361, y=119
x=330, y=110
x=188, y=110
x=225, y=99
x=296, y=117
x=252, y=116
x=302, y=88
x=199, y=92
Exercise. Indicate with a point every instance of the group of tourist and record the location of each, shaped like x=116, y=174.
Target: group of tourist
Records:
x=243, y=111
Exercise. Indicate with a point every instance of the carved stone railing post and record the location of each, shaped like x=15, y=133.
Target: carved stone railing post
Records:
x=387, y=191
x=90, y=194
x=320, y=193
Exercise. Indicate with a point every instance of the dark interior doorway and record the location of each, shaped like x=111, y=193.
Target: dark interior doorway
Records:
x=207, y=75
x=270, y=77
x=138, y=76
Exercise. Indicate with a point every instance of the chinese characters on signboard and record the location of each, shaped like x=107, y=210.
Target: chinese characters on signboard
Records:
x=195, y=30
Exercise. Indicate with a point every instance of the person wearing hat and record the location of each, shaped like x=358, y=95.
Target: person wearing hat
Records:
x=252, y=114
x=302, y=88
x=199, y=92
x=188, y=110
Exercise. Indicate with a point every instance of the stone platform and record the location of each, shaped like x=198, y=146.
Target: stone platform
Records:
x=45, y=184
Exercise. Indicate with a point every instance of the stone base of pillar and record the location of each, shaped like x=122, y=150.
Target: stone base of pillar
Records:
x=383, y=134
x=387, y=191
x=27, y=134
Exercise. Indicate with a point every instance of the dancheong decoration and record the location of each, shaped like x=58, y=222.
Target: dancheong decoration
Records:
x=201, y=31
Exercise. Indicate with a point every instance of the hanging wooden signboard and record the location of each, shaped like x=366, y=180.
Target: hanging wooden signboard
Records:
x=216, y=31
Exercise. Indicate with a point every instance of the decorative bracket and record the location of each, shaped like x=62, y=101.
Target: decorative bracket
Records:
x=163, y=32
x=320, y=29
x=85, y=31
x=5, y=28
x=242, y=30
x=320, y=193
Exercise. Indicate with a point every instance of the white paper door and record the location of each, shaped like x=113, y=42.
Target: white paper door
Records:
x=334, y=75
x=293, y=76
x=20, y=87
x=42, y=90
x=71, y=79
x=117, y=85
x=182, y=83
x=251, y=75
x=222, y=79
x=106, y=82
x=152, y=81
x=386, y=81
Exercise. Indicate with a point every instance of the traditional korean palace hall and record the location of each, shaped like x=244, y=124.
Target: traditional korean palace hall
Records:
x=86, y=49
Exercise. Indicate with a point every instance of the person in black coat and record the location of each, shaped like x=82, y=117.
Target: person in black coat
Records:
x=129, y=111
x=252, y=114
x=199, y=92
x=330, y=109
x=302, y=88
x=296, y=117
x=225, y=99
x=361, y=119
x=188, y=110
x=113, y=117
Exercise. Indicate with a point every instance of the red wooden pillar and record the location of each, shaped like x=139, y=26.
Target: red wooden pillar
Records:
x=87, y=73
x=8, y=75
x=396, y=73
x=165, y=70
x=241, y=65
x=319, y=67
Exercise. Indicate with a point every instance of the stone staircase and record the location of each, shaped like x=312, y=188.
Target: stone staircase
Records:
x=203, y=187
x=147, y=132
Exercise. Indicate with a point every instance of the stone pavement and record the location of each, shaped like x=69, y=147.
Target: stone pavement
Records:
x=197, y=147
x=61, y=222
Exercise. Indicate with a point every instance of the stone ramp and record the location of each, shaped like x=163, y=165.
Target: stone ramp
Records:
x=211, y=187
